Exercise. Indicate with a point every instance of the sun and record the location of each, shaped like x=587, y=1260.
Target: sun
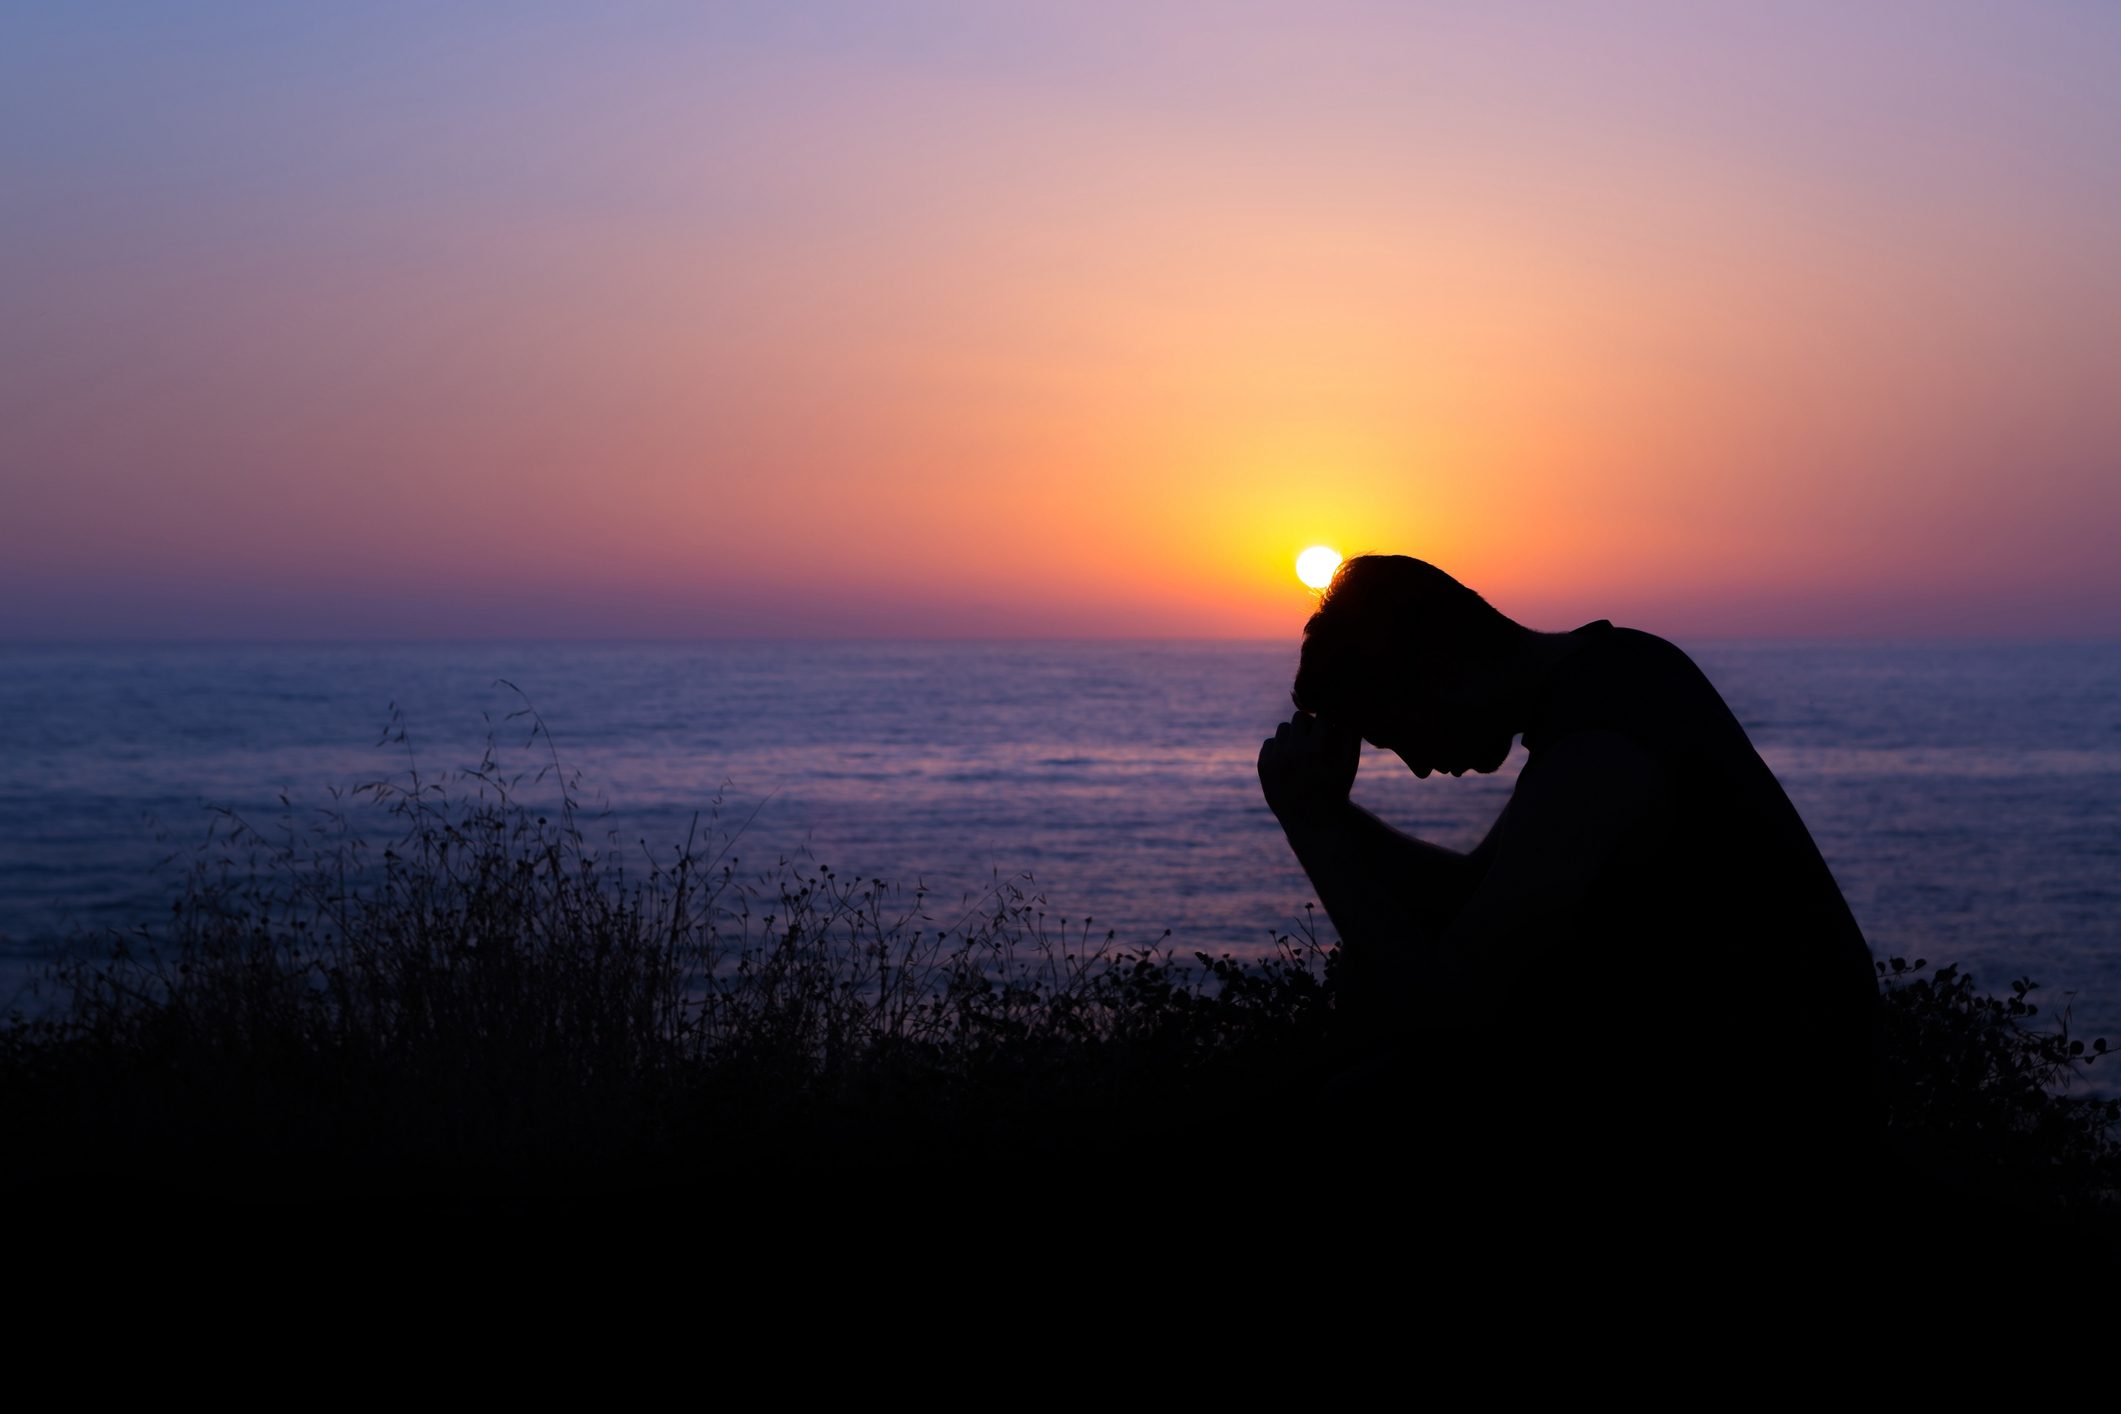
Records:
x=1315, y=566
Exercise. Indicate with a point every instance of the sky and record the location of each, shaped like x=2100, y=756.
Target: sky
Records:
x=1078, y=319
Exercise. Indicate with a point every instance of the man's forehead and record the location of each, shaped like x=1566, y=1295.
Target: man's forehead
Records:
x=1382, y=666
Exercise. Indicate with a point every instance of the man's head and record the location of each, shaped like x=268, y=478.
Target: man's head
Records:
x=1413, y=660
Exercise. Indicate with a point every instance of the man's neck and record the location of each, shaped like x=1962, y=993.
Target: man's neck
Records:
x=1531, y=671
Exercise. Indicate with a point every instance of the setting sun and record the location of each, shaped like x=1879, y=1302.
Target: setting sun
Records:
x=1315, y=566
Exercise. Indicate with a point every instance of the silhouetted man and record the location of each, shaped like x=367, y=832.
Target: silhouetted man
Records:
x=1644, y=975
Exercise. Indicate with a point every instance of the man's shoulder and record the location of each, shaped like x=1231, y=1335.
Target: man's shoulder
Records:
x=1618, y=657
x=1649, y=646
x=1627, y=680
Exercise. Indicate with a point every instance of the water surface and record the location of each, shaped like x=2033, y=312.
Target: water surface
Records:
x=1968, y=796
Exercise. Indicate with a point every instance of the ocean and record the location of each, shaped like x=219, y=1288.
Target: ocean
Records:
x=1967, y=796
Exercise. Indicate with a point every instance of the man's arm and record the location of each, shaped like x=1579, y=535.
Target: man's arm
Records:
x=1382, y=889
x=1575, y=805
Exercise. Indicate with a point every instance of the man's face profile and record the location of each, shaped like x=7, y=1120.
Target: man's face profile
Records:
x=1436, y=719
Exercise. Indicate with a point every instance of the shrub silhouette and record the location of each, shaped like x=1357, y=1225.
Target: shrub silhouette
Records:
x=1972, y=1091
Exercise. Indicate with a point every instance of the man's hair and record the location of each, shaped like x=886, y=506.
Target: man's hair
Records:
x=1386, y=619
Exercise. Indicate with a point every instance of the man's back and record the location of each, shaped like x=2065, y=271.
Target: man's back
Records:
x=1713, y=964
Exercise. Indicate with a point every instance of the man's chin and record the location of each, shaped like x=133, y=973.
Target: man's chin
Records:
x=1470, y=768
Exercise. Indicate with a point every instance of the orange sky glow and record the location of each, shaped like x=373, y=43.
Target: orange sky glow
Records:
x=951, y=319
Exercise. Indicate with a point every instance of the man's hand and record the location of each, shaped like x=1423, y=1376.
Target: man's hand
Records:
x=1308, y=766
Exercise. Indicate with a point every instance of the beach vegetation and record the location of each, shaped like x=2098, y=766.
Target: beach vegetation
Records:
x=454, y=984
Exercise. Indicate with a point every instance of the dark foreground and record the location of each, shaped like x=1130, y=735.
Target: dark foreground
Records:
x=483, y=1017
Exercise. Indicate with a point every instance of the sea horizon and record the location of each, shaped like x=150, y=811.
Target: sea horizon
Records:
x=1292, y=639
x=1967, y=794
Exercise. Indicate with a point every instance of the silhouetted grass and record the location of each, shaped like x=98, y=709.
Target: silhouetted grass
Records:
x=438, y=987
x=437, y=983
x=1976, y=1092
